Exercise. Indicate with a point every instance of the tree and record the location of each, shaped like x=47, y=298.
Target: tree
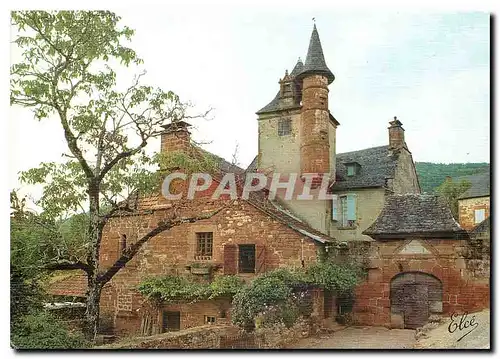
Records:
x=451, y=191
x=67, y=73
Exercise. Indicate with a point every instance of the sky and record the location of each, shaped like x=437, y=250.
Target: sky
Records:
x=429, y=69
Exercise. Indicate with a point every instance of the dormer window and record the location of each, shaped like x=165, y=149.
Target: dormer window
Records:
x=352, y=168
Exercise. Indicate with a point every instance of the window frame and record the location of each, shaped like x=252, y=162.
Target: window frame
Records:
x=210, y=319
x=204, y=240
x=284, y=130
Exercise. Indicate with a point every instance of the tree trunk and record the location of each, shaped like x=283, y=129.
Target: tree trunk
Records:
x=92, y=312
x=94, y=285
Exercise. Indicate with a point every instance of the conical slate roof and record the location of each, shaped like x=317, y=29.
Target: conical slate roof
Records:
x=298, y=68
x=315, y=60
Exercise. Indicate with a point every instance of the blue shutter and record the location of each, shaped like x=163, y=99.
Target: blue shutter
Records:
x=351, y=207
x=335, y=207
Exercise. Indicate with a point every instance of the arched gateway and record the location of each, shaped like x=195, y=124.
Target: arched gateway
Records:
x=414, y=296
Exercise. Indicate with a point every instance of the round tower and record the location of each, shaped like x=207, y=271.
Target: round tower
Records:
x=315, y=116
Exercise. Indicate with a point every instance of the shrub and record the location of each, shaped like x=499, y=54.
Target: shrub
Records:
x=41, y=330
x=339, y=278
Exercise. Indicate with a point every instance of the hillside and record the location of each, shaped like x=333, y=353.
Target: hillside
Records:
x=432, y=175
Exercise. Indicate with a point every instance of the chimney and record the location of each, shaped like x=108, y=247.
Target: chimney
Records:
x=176, y=137
x=396, y=135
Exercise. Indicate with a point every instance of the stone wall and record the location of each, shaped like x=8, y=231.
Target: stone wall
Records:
x=279, y=153
x=219, y=337
x=405, y=177
x=205, y=337
x=466, y=208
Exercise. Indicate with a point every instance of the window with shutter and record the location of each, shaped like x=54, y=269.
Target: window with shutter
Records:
x=347, y=215
x=335, y=209
x=260, y=258
x=351, y=207
x=230, y=257
x=343, y=211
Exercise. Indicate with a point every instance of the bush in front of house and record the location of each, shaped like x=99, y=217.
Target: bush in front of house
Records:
x=41, y=330
x=280, y=296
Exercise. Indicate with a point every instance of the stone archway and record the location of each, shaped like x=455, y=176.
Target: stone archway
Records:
x=414, y=296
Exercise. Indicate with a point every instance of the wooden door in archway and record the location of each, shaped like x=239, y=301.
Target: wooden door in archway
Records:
x=414, y=296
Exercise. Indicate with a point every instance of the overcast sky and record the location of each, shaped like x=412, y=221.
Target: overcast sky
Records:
x=431, y=70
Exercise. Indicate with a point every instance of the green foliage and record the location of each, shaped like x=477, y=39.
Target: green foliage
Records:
x=331, y=276
x=431, y=175
x=263, y=294
x=41, y=330
x=225, y=286
x=277, y=296
x=174, y=288
x=189, y=163
x=451, y=191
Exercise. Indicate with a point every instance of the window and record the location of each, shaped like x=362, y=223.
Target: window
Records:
x=204, y=245
x=246, y=258
x=350, y=170
x=479, y=215
x=284, y=127
x=347, y=212
x=209, y=320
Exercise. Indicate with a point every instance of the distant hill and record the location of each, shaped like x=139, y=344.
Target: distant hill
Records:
x=431, y=175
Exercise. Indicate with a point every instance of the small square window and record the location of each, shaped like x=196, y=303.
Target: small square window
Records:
x=350, y=170
x=204, y=245
x=284, y=127
x=209, y=319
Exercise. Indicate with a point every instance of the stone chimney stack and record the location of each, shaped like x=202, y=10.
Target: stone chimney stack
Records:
x=176, y=137
x=396, y=135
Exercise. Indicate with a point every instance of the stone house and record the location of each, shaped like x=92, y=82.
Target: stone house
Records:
x=474, y=204
x=296, y=135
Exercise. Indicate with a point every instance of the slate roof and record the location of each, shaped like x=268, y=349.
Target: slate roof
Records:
x=415, y=215
x=377, y=165
x=315, y=60
x=280, y=213
x=480, y=185
x=74, y=285
x=299, y=66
